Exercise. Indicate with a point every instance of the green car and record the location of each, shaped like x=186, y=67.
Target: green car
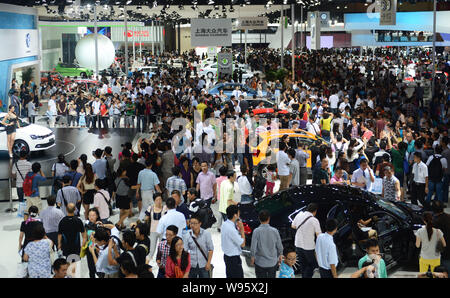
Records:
x=72, y=70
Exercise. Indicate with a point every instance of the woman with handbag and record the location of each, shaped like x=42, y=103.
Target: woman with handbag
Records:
x=121, y=196
x=86, y=186
x=178, y=262
x=431, y=242
x=152, y=216
x=38, y=254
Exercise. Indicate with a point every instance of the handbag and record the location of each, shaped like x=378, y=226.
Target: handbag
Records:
x=84, y=249
x=22, y=270
x=440, y=248
x=210, y=272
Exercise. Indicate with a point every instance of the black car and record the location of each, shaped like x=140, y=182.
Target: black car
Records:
x=396, y=222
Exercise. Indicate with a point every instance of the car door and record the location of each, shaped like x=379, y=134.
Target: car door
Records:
x=390, y=233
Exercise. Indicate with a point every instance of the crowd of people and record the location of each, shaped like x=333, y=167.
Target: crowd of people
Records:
x=372, y=132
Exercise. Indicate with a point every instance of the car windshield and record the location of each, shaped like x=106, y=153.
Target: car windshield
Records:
x=22, y=122
x=391, y=207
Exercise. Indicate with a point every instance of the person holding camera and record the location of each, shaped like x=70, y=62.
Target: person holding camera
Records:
x=373, y=256
x=101, y=243
x=368, y=270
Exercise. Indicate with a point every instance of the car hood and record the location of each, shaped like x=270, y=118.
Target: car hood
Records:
x=34, y=129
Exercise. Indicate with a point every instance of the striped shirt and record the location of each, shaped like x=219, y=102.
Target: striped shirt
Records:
x=21, y=169
x=51, y=217
x=70, y=194
x=177, y=183
x=163, y=252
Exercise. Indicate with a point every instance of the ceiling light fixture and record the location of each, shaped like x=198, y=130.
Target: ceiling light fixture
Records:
x=211, y=2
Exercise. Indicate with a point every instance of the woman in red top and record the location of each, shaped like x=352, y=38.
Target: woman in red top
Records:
x=178, y=262
x=104, y=112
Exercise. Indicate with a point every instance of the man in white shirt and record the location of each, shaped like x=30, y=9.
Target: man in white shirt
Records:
x=245, y=187
x=334, y=101
x=419, y=186
x=363, y=177
x=307, y=226
x=172, y=217
x=313, y=127
x=344, y=104
x=359, y=101
x=96, y=111
x=236, y=92
x=283, y=162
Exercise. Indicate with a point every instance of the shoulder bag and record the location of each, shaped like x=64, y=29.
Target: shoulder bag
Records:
x=306, y=219
x=107, y=202
x=210, y=272
x=440, y=248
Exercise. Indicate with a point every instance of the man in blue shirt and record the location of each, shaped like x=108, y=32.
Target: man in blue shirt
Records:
x=326, y=252
x=35, y=199
x=74, y=175
x=233, y=239
x=147, y=183
x=99, y=165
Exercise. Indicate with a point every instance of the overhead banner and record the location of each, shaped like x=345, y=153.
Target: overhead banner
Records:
x=211, y=32
x=388, y=10
x=324, y=19
x=315, y=30
x=19, y=43
x=225, y=64
x=252, y=23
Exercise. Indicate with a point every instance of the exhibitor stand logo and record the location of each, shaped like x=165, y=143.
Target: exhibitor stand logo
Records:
x=28, y=42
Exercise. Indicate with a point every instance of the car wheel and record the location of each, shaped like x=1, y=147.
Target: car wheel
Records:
x=83, y=75
x=209, y=75
x=20, y=146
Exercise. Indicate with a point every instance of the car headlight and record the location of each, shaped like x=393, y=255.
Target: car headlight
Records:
x=34, y=137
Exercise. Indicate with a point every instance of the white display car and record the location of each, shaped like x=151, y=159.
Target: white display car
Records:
x=210, y=71
x=177, y=63
x=29, y=137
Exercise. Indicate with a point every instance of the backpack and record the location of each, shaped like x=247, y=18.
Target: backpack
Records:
x=435, y=171
x=27, y=184
x=207, y=216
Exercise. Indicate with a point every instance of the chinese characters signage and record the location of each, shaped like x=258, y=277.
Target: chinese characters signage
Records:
x=210, y=32
x=252, y=23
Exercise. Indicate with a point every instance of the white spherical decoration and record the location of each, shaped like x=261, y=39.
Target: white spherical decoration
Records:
x=85, y=51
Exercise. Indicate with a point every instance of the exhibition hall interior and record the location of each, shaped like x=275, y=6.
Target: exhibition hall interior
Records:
x=221, y=139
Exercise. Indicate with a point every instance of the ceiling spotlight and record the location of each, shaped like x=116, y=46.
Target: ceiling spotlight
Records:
x=139, y=8
x=128, y=2
x=345, y=6
x=231, y=8
x=121, y=7
x=211, y=2
x=216, y=7
x=337, y=7
x=105, y=6
x=224, y=9
x=155, y=4
x=285, y=2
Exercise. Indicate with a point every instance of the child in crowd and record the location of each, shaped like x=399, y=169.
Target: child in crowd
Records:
x=290, y=257
x=82, y=118
x=271, y=177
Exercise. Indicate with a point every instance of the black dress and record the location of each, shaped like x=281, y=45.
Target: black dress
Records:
x=10, y=129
